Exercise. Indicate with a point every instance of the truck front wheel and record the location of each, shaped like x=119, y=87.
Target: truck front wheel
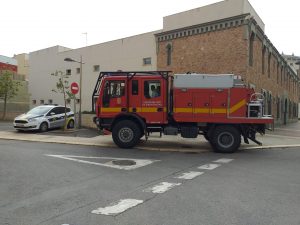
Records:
x=126, y=134
x=225, y=139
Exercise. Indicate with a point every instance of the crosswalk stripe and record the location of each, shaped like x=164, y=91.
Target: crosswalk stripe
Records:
x=162, y=187
x=118, y=208
x=209, y=166
x=189, y=175
x=223, y=160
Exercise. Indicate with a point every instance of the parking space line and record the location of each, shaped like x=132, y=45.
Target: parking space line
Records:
x=118, y=208
x=162, y=187
x=190, y=175
x=223, y=160
x=109, y=163
x=209, y=166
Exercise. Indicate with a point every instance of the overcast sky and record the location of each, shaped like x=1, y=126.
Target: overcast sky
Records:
x=31, y=25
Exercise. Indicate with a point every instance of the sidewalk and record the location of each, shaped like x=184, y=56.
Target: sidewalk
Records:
x=284, y=136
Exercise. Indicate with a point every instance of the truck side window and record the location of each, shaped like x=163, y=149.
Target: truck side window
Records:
x=152, y=89
x=135, y=87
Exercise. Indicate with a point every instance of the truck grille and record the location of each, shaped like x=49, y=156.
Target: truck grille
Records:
x=21, y=121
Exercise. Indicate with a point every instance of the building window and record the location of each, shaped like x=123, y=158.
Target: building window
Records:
x=78, y=70
x=269, y=65
x=277, y=72
x=68, y=71
x=263, y=60
x=96, y=68
x=50, y=101
x=251, y=46
x=42, y=102
x=147, y=61
x=278, y=108
x=281, y=75
x=33, y=102
x=169, y=54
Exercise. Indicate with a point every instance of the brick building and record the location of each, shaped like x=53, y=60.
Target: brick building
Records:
x=228, y=37
x=19, y=103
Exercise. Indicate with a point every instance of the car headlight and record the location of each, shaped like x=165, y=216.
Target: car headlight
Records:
x=32, y=120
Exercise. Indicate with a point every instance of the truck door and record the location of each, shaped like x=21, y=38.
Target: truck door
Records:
x=114, y=98
x=201, y=105
x=219, y=103
x=153, y=100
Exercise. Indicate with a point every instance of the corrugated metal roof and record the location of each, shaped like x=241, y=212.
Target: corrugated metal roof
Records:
x=8, y=60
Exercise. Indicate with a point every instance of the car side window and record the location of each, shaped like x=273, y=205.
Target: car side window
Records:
x=60, y=110
x=51, y=112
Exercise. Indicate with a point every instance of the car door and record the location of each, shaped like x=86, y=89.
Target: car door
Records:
x=60, y=118
x=52, y=117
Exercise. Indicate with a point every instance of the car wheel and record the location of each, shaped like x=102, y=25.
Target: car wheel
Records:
x=70, y=124
x=44, y=127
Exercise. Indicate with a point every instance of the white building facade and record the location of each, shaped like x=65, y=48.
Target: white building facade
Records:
x=127, y=54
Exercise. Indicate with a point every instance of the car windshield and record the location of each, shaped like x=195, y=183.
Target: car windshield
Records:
x=38, y=110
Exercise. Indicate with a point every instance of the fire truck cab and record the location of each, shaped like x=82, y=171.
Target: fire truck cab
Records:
x=220, y=107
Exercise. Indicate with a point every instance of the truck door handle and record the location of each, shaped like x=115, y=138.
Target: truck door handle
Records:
x=124, y=109
x=160, y=109
x=206, y=104
x=189, y=104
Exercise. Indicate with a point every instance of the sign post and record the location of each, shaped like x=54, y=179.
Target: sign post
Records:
x=74, y=90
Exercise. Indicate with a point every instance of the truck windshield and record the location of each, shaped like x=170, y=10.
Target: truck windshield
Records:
x=113, y=89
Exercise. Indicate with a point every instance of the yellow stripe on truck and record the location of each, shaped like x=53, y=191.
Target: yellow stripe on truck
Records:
x=111, y=110
x=237, y=106
x=233, y=109
x=138, y=109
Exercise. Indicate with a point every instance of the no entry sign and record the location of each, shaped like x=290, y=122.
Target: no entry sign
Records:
x=74, y=88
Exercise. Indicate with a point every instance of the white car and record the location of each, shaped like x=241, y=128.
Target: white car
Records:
x=44, y=117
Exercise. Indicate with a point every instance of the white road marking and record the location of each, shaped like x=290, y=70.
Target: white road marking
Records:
x=190, y=175
x=223, y=160
x=120, y=207
x=209, y=166
x=162, y=187
x=139, y=162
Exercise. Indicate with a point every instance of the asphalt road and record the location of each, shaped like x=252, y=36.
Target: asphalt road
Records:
x=39, y=186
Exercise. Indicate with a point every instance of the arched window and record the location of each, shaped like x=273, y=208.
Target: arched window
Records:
x=169, y=54
x=269, y=64
x=251, y=50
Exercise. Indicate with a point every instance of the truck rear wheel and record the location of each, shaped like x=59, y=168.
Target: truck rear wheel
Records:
x=225, y=139
x=126, y=134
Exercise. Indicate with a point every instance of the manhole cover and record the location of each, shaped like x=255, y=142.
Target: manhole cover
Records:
x=124, y=162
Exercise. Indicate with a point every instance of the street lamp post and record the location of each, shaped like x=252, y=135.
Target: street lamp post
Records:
x=80, y=86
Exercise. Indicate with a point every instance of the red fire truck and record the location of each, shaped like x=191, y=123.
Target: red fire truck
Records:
x=220, y=107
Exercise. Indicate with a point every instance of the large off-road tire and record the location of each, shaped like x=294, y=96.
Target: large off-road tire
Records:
x=126, y=134
x=225, y=139
x=44, y=127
